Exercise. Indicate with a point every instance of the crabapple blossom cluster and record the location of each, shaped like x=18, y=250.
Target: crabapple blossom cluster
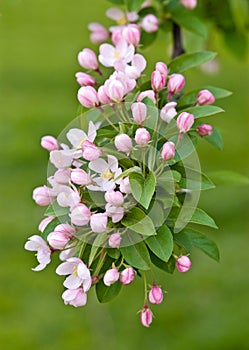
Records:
x=118, y=184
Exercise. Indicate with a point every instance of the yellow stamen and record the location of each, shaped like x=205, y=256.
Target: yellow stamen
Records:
x=107, y=175
x=117, y=54
x=122, y=21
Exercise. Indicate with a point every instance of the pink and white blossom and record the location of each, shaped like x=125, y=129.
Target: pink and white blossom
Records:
x=58, y=240
x=43, y=196
x=131, y=34
x=155, y=295
x=168, y=112
x=133, y=70
x=79, y=274
x=148, y=93
x=110, y=54
x=80, y=177
x=88, y=59
x=37, y=243
x=99, y=33
x=88, y=97
x=162, y=68
x=205, y=130
x=84, y=79
x=98, y=222
x=111, y=276
x=185, y=121
x=114, y=240
x=205, y=97
x=114, y=198
x=168, y=150
x=139, y=112
x=146, y=316
x=44, y=223
x=49, y=143
x=67, y=252
x=150, y=23
x=75, y=297
x=142, y=137
x=158, y=81
x=123, y=143
x=61, y=159
x=175, y=84
x=127, y=276
x=108, y=171
x=183, y=263
x=80, y=215
x=102, y=95
x=189, y=4
x=125, y=186
x=90, y=151
x=62, y=176
x=115, y=213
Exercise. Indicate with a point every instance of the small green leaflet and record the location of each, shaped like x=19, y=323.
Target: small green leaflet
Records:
x=215, y=139
x=143, y=188
x=161, y=244
x=190, y=60
x=106, y=294
x=168, y=267
x=137, y=255
x=202, y=218
x=204, y=111
x=55, y=210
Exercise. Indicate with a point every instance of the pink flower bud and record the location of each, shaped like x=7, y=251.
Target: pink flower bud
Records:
x=75, y=297
x=205, y=130
x=114, y=198
x=88, y=59
x=131, y=34
x=88, y=97
x=142, y=137
x=58, y=240
x=62, y=176
x=139, y=112
x=115, y=90
x=205, y=97
x=110, y=277
x=168, y=112
x=114, y=240
x=44, y=223
x=116, y=213
x=185, y=121
x=158, y=81
x=99, y=34
x=183, y=264
x=148, y=93
x=117, y=35
x=80, y=177
x=168, y=151
x=103, y=97
x=98, y=222
x=150, y=23
x=84, y=79
x=155, y=295
x=146, y=316
x=175, y=84
x=123, y=143
x=90, y=151
x=41, y=196
x=49, y=143
x=80, y=215
x=127, y=276
x=125, y=186
x=162, y=68
x=189, y=4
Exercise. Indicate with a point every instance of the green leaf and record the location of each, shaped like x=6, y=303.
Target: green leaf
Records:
x=139, y=222
x=190, y=98
x=137, y=255
x=143, y=188
x=190, y=60
x=113, y=253
x=161, y=244
x=204, y=111
x=198, y=240
x=55, y=210
x=165, y=266
x=196, y=181
x=200, y=217
x=50, y=227
x=97, y=243
x=147, y=11
x=228, y=177
x=106, y=294
x=157, y=214
x=128, y=171
x=215, y=139
x=133, y=5
x=106, y=132
x=186, y=19
x=147, y=38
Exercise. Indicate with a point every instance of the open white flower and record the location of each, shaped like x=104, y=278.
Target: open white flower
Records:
x=108, y=172
x=37, y=243
x=110, y=54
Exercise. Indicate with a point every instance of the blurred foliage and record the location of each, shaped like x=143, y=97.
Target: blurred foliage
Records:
x=206, y=308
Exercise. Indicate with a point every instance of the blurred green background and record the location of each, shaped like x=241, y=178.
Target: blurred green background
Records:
x=207, y=308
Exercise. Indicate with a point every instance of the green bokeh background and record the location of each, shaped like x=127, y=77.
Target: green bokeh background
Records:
x=207, y=308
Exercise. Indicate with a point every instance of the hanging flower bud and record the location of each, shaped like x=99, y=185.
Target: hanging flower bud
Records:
x=123, y=143
x=139, y=112
x=183, y=264
x=142, y=137
x=189, y=4
x=146, y=316
x=168, y=151
x=127, y=276
x=205, y=130
x=88, y=59
x=168, y=112
x=150, y=23
x=75, y=297
x=185, y=121
x=98, y=222
x=205, y=97
x=175, y=84
x=88, y=97
x=84, y=79
x=114, y=240
x=158, y=81
x=155, y=295
x=49, y=143
x=80, y=177
x=111, y=276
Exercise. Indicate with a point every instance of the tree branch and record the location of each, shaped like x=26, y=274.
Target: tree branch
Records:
x=177, y=41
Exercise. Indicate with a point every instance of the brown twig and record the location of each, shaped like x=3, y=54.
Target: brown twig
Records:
x=177, y=41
